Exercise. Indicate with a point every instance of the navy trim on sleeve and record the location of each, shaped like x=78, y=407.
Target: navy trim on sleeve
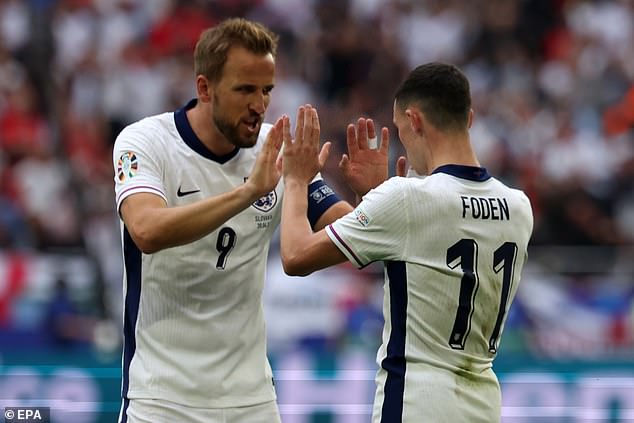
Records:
x=320, y=198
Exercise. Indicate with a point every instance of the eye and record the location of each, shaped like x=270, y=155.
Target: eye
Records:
x=246, y=89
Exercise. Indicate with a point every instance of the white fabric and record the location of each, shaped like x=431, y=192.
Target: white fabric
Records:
x=157, y=411
x=199, y=334
x=415, y=222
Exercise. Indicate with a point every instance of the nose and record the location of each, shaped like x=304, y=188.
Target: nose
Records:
x=258, y=103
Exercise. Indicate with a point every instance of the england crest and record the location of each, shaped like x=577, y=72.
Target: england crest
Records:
x=266, y=202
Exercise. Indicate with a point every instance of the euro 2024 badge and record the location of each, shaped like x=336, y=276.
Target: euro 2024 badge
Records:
x=127, y=166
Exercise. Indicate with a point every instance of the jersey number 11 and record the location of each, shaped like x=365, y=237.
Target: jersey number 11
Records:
x=464, y=253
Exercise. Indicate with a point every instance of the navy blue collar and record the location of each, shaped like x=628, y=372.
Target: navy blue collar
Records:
x=191, y=139
x=472, y=173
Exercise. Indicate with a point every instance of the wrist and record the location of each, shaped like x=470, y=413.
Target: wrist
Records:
x=249, y=192
x=294, y=181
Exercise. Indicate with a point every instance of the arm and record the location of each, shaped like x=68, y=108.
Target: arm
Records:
x=154, y=226
x=320, y=217
x=364, y=167
x=304, y=251
x=336, y=211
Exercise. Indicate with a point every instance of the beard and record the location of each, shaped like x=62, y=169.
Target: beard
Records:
x=231, y=131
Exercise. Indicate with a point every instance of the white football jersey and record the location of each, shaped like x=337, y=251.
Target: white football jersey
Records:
x=193, y=319
x=453, y=244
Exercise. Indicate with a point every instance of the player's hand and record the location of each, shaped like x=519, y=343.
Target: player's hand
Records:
x=303, y=157
x=265, y=174
x=365, y=166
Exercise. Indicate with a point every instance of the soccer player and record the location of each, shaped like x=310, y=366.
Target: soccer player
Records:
x=199, y=195
x=453, y=245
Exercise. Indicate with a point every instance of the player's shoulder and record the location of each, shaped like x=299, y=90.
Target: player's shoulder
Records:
x=518, y=197
x=394, y=183
x=152, y=128
x=517, y=193
x=391, y=191
x=412, y=182
x=525, y=203
x=401, y=184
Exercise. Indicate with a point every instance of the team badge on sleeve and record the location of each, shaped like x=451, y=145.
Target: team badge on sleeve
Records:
x=127, y=166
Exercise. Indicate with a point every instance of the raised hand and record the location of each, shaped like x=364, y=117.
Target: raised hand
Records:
x=265, y=174
x=303, y=157
x=364, y=167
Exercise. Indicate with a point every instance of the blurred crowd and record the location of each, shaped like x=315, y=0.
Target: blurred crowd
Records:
x=552, y=84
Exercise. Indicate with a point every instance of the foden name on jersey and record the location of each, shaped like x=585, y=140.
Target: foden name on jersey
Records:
x=485, y=208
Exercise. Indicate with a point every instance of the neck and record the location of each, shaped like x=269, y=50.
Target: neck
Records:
x=447, y=149
x=200, y=120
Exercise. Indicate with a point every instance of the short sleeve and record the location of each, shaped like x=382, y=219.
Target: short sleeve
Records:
x=376, y=229
x=137, y=164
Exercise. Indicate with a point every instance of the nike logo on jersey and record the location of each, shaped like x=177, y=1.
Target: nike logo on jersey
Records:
x=184, y=193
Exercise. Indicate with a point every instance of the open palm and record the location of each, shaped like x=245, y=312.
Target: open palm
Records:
x=363, y=167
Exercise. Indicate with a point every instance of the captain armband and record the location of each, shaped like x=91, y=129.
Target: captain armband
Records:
x=320, y=198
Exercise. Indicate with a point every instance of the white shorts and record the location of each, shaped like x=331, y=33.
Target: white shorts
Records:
x=431, y=394
x=160, y=411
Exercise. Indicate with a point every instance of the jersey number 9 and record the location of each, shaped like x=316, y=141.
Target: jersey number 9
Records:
x=224, y=244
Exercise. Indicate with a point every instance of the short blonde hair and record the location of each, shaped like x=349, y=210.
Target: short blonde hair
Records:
x=214, y=44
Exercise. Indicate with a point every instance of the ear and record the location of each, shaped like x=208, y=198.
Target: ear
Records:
x=470, y=119
x=204, y=89
x=416, y=121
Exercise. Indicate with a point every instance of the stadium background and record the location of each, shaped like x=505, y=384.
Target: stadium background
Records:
x=553, y=91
